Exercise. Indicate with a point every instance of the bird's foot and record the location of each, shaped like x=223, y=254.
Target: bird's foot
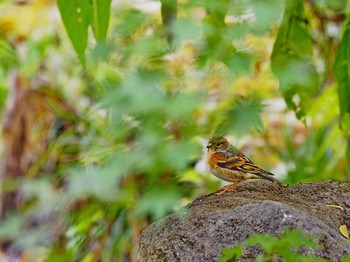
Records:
x=228, y=188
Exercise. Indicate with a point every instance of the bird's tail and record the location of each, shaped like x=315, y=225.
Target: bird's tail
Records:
x=269, y=176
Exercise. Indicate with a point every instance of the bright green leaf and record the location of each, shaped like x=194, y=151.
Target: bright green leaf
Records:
x=76, y=16
x=267, y=242
x=231, y=253
x=101, y=10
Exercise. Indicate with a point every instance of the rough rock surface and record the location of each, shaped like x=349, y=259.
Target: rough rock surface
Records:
x=200, y=230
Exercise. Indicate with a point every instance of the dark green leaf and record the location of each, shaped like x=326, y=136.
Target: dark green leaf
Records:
x=292, y=59
x=169, y=13
x=342, y=74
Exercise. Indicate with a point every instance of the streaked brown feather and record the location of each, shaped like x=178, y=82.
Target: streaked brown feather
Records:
x=229, y=164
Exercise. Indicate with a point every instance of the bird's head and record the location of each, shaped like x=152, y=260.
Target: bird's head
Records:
x=218, y=144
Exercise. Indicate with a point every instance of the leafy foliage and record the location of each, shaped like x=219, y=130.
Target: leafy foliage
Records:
x=292, y=56
x=78, y=15
x=124, y=146
x=342, y=73
x=286, y=246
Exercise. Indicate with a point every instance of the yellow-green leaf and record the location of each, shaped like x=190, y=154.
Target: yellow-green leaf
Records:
x=335, y=206
x=344, y=231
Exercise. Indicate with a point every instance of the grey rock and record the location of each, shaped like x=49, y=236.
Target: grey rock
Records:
x=200, y=230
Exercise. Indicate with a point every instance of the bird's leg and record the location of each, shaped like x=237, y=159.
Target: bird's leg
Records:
x=228, y=188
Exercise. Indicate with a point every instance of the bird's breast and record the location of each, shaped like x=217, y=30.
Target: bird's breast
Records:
x=226, y=174
x=229, y=177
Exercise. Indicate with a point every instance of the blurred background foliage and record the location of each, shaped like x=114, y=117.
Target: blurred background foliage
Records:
x=107, y=106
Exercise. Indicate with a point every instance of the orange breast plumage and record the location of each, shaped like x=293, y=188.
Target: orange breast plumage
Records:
x=226, y=174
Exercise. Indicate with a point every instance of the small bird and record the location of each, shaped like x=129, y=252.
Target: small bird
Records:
x=230, y=164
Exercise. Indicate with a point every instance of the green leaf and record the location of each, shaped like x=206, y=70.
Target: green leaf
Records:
x=348, y=156
x=8, y=55
x=292, y=59
x=266, y=12
x=218, y=9
x=137, y=95
x=186, y=28
x=169, y=13
x=158, y=201
x=98, y=181
x=296, y=239
x=132, y=21
x=231, y=253
x=267, y=242
x=287, y=245
x=60, y=255
x=244, y=116
x=239, y=63
x=76, y=16
x=342, y=75
x=101, y=10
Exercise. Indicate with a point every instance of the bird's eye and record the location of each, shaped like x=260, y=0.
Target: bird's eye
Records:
x=219, y=144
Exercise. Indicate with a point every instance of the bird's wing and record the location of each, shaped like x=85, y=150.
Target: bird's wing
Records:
x=228, y=160
x=241, y=163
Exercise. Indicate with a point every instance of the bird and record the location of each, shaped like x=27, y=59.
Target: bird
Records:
x=228, y=163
